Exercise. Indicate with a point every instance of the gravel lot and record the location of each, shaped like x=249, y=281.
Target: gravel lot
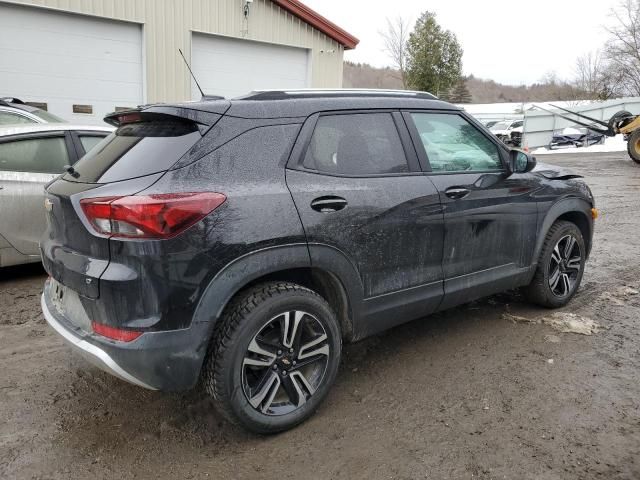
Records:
x=488, y=390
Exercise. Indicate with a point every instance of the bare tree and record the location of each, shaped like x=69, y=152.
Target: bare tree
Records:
x=395, y=38
x=597, y=77
x=623, y=50
x=588, y=73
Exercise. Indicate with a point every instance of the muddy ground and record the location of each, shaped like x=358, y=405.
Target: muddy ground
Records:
x=474, y=393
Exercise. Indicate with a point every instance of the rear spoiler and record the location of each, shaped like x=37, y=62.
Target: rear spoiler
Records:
x=7, y=101
x=205, y=119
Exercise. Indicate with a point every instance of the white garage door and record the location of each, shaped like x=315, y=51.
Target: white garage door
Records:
x=232, y=67
x=65, y=60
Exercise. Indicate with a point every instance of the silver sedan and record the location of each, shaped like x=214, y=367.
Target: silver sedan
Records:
x=30, y=157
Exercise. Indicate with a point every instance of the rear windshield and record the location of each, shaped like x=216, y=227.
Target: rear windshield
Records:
x=135, y=150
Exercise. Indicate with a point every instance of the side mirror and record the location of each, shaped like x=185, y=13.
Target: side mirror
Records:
x=520, y=162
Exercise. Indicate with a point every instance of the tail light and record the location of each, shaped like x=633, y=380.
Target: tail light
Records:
x=157, y=216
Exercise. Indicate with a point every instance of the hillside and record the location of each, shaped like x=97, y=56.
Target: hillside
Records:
x=358, y=75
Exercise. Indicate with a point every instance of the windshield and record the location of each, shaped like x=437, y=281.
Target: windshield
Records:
x=47, y=117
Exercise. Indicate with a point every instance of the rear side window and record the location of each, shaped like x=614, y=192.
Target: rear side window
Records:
x=89, y=141
x=357, y=144
x=41, y=155
x=135, y=150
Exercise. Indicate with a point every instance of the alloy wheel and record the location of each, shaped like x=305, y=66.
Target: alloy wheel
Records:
x=285, y=363
x=564, y=266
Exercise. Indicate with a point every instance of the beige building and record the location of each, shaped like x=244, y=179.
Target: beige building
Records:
x=84, y=58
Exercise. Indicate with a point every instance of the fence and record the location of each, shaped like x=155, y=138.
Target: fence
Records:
x=539, y=125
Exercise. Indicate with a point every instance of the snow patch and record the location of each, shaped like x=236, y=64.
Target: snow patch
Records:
x=572, y=323
x=561, y=321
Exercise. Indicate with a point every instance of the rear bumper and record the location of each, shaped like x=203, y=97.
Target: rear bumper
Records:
x=168, y=360
x=94, y=354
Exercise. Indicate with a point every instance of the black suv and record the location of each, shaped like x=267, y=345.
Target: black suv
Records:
x=241, y=242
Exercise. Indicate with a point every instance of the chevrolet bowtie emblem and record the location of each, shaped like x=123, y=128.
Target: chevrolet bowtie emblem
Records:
x=48, y=205
x=286, y=361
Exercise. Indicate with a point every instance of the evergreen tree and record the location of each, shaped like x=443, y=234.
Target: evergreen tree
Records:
x=434, y=57
x=460, y=93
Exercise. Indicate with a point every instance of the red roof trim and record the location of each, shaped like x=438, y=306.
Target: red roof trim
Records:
x=317, y=21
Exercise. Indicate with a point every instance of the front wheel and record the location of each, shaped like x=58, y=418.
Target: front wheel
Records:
x=274, y=357
x=633, y=146
x=560, y=266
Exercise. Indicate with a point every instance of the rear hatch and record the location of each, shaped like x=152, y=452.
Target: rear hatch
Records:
x=145, y=145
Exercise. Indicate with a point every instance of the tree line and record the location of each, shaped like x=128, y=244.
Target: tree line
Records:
x=429, y=58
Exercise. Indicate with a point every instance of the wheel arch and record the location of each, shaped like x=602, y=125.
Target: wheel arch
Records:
x=582, y=222
x=291, y=263
x=574, y=210
x=320, y=281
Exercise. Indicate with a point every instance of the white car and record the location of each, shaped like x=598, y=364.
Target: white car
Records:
x=16, y=112
x=503, y=129
x=30, y=157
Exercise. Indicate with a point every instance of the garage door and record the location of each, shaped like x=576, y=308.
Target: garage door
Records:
x=232, y=67
x=67, y=60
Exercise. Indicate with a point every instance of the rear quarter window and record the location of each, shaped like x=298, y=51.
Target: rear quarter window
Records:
x=135, y=150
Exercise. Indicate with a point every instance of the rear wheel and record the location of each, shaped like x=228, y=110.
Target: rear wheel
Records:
x=560, y=266
x=633, y=146
x=274, y=357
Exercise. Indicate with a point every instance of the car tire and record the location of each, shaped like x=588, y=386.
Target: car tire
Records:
x=633, y=146
x=558, y=273
x=264, y=370
x=615, y=118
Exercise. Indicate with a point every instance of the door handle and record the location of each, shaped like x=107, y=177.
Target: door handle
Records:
x=328, y=204
x=456, y=193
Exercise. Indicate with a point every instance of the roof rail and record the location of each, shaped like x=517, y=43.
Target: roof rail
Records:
x=333, y=92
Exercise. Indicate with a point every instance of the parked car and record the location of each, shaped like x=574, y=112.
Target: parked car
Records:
x=30, y=157
x=575, y=137
x=240, y=242
x=490, y=123
x=503, y=130
x=15, y=112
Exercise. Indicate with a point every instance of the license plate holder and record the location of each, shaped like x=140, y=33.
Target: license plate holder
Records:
x=67, y=303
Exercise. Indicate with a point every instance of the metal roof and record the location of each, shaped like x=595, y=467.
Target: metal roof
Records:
x=319, y=22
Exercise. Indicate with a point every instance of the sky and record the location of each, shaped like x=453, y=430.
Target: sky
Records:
x=513, y=42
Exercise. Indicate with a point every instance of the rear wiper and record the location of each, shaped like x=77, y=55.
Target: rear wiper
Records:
x=71, y=171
